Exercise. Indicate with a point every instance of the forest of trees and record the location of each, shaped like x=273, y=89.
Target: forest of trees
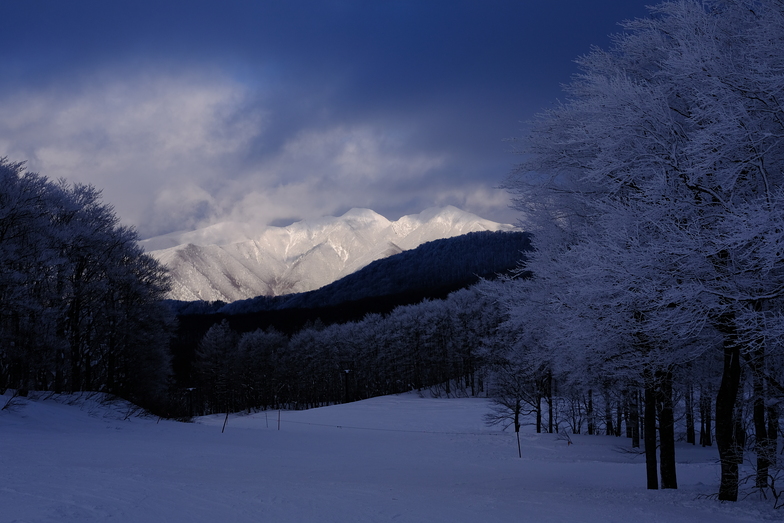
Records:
x=650, y=307
x=435, y=345
x=80, y=302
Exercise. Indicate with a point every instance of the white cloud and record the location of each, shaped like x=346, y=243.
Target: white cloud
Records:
x=481, y=200
x=354, y=154
x=320, y=172
x=147, y=141
x=186, y=150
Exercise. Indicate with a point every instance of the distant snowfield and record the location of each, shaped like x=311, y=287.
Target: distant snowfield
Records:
x=396, y=458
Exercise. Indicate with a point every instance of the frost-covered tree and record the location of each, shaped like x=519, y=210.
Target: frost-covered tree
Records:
x=262, y=364
x=661, y=181
x=519, y=363
x=80, y=302
x=217, y=367
x=476, y=316
x=27, y=255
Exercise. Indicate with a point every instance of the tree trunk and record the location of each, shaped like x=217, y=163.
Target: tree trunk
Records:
x=666, y=430
x=634, y=418
x=549, y=402
x=625, y=402
x=650, y=435
x=690, y=435
x=538, y=411
x=59, y=376
x=761, y=434
x=706, y=418
x=765, y=442
x=589, y=412
x=730, y=451
x=773, y=429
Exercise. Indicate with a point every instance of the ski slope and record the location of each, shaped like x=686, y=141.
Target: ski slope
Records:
x=396, y=458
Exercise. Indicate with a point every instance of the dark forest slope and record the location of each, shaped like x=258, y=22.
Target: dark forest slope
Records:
x=426, y=271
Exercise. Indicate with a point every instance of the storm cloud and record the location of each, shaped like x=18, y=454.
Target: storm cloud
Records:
x=191, y=113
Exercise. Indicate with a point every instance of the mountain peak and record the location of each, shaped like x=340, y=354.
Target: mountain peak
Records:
x=449, y=213
x=232, y=261
x=365, y=214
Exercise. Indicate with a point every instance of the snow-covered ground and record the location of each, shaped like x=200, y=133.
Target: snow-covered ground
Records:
x=396, y=458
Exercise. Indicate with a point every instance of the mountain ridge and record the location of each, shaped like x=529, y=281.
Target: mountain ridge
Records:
x=232, y=261
x=435, y=267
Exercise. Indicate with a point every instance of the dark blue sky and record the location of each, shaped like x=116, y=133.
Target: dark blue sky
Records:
x=189, y=113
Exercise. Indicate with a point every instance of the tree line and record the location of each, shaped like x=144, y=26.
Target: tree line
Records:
x=434, y=345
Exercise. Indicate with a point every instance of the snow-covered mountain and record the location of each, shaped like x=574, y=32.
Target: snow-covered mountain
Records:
x=232, y=261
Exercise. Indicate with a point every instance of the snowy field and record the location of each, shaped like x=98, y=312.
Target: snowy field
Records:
x=396, y=458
